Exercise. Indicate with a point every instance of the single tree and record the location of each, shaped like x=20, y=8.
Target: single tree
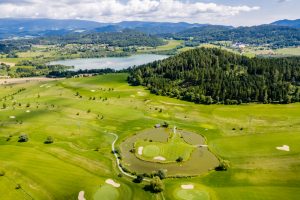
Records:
x=23, y=138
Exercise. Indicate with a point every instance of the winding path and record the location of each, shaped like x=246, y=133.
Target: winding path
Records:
x=118, y=160
x=120, y=168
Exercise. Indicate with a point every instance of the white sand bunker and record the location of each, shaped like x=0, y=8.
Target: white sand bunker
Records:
x=12, y=117
x=283, y=148
x=112, y=182
x=140, y=150
x=141, y=93
x=159, y=158
x=81, y=195
x=93, y=90
x=187, y=187
x=28, y=111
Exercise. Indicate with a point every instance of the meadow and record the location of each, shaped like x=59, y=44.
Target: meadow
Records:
x=78, y=113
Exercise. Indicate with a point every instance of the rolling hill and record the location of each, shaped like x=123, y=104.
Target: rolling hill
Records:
x=291, y=23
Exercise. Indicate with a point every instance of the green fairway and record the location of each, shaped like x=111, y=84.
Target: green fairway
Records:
x=78, y=113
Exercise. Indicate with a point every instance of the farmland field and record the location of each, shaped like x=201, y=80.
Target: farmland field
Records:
x=78, y=113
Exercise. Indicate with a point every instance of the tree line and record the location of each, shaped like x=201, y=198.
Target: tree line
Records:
x=274, y=36
x=212, y=75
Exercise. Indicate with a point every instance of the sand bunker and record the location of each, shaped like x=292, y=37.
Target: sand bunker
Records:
x=112, y=182
x=283, y=148
x=140, y=150
x=81, y=195
x=93, y=90
x=187, y=187
x=141, y=93
x=159, y=158
x=12, y=117
x=28, y=111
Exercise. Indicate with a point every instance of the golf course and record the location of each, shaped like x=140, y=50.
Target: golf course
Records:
x=62, y=139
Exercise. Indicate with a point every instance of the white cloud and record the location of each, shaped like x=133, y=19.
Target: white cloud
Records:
x=115, y=10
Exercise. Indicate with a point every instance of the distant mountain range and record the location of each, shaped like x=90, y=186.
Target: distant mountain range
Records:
x=16, y=28
x=39, y=27
x=10, y=28
x=286, y=22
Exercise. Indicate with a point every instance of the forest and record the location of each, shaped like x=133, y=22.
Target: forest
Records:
x=125, y=38
x=271, y=35
x=212, y=75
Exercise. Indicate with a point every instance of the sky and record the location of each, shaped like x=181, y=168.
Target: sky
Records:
x=225, y=12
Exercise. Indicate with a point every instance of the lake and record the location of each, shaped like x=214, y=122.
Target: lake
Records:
x=116, y=63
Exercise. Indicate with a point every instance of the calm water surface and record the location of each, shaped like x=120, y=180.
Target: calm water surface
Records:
x=116, y=63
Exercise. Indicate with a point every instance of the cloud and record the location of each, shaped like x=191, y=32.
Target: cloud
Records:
x=116, y=10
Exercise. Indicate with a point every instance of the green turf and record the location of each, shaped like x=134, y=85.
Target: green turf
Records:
x=173, y=149
x=80, y=157
x=107, y=192
x=182, y=194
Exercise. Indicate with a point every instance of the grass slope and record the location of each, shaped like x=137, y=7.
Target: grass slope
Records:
x=80, y=158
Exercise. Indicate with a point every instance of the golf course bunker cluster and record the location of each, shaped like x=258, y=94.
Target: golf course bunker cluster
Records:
x=177, y=152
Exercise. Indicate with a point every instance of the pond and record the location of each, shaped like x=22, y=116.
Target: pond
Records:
x=201, y=160
x=116, y=63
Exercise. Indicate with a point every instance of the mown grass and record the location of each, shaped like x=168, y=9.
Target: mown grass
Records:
x=80, y=158
x=173, y=149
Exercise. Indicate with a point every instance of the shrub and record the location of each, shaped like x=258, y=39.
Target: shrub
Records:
x=49, y=140
x=139, y=178
x=161, y=174
x=165, y=125
x=179, y=159
x=155, y=186
x=23, y=138
x=223, y=166
x=18, y=186
x=2, y=173
x=132, y=150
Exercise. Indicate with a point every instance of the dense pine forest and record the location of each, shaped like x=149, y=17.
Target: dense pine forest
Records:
x=216, y=76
